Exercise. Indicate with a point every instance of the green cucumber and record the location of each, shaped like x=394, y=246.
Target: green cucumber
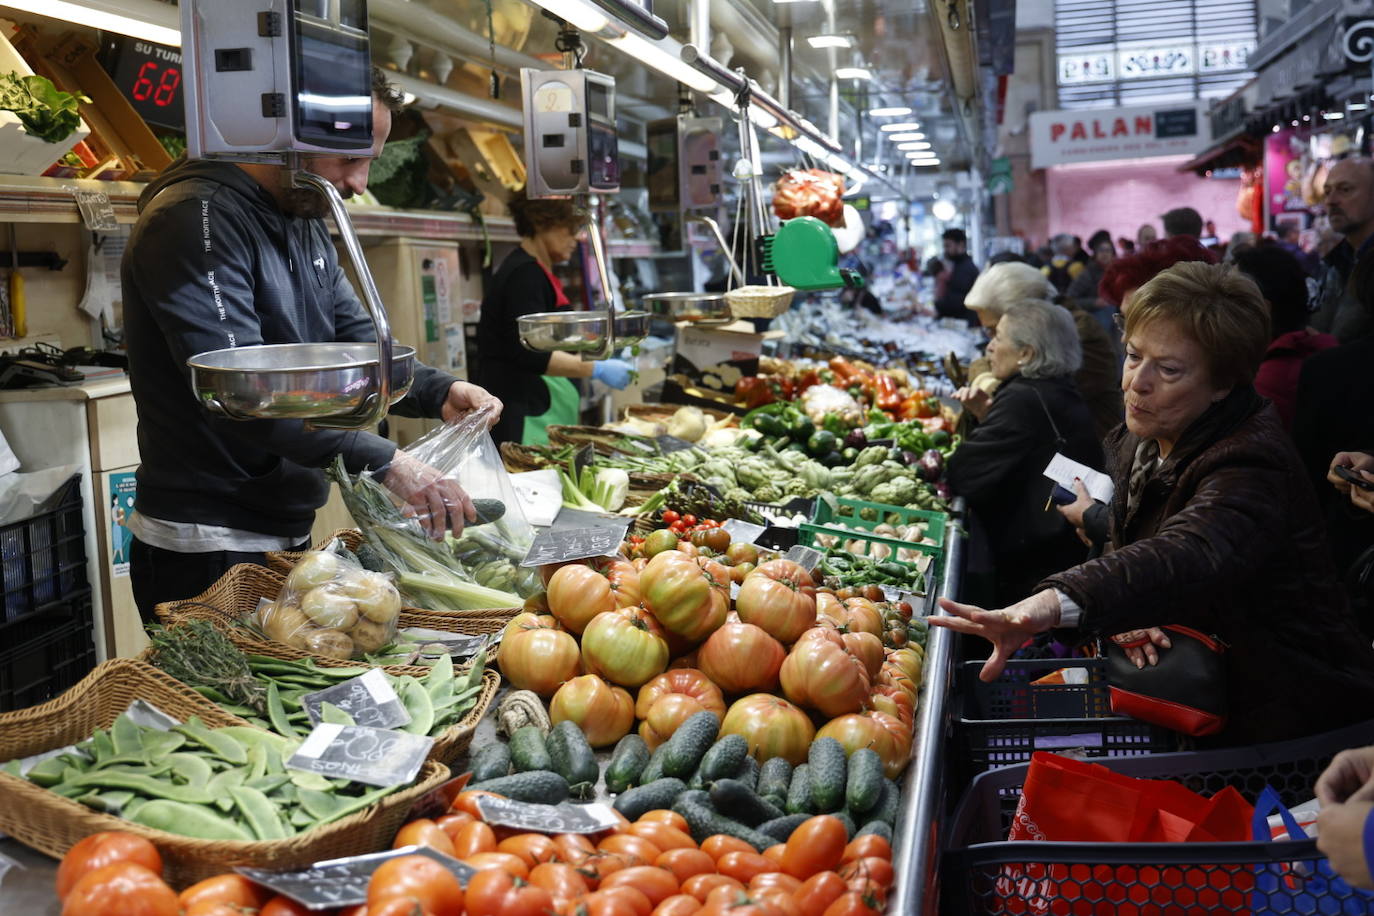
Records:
x=490, y=762
x=780, y=828
x=886, y=809
x=697, y=782
x=689, y=743
x=864, y=784
x=724, y=758
x=573, y=758
x=738, y=801
x=703, y=821
x=774, y=777
x=828, y=772
x=877, y=828
x=528, y=750
x=659, y=794
x=628, y=761
x=653, y=770
x=748, y=773
x=543, y=787
x=488, y=510
x=799, y=792
x=849, y=826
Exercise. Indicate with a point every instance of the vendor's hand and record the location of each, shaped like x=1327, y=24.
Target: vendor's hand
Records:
x=1140, y=645
x=1073, y=512
x=974, y=400
x=613, y=372
x=436, y=501
x=1356, y=461
x=1347, y=776
x=1340, y=837
x=1361, y=498
x=1007, y=629
x=464, y=397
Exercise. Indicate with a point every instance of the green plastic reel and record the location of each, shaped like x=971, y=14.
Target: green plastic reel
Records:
x=803, y=254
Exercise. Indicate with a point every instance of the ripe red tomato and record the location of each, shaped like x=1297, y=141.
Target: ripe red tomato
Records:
x=658, y=884
x=671, y=515
x=689, y=520
x=230, y=889
x=424, y=832
x=101, y=849
x=494, y=892
x=772, y=726
x=779, y=597
x=741, y=658
x=425, y=879
x=536, y=654
x=604, y=712
x=816, y=846
x=626, y=647
x=818, y=892
x=121, y=889
x=283, y=906
x=819, y=674
x=561, y=880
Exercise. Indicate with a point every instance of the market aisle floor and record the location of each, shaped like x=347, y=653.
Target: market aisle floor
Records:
x=26, y=887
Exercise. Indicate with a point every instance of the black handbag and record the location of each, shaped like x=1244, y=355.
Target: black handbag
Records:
x=1185, y=691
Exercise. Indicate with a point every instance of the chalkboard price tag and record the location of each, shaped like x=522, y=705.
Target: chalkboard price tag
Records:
x=458, y=645
x=343, y=882
x=96, y=210
x=742, y=532
x=805, y=557
x=369, y=699
x=560, y=545
x=438, y=800
x=375, y=756
x=564, y=818
x=669, y=444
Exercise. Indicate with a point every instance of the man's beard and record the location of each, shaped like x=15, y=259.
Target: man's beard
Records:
x=305, y=203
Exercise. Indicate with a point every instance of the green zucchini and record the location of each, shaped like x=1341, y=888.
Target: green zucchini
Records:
x=724, y=758
x=628, y=761
x=490, y=762
x=543, y=787
x=827, y=761
x=653, y=770
x=878, y=828
x=573, y=758
x=639, y=801
x=528, y=750
x=737, y=801
x=703, y=821
x=689, y=744
x=780, y=828
x=799, y=792
x=774, y=777
x=864, y=784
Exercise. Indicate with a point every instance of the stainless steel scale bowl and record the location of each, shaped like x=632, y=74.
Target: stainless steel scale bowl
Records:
x=698, y=308
x=581, y=332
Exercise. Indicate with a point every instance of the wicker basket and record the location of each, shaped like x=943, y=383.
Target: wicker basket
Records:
x=760, y=301
x=603, y=440
x=662, y=413
x=283, y=561
x=53, y=824
x=519, y=458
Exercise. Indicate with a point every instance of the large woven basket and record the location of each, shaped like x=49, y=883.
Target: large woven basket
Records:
x=760, y=301
x=53, y=824
x=662, y=413
x=283, y=561
x=519, y=458
x=603, y=440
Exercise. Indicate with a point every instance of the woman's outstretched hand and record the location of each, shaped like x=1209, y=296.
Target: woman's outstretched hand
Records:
x=1007, y=629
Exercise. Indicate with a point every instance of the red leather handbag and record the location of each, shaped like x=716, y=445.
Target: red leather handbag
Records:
x=1185, y=691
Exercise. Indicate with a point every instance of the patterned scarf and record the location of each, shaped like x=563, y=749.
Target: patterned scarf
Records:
x=1142, y=469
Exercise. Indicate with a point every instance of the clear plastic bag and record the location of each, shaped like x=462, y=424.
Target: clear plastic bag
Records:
x=333, y=607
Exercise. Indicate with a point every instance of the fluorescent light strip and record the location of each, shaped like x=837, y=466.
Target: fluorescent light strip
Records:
x=904, y=147
x=894, y=112
x=578, y=12
x=923, y=163
x=670, y=65
x=820, y=42
x=905, y=125
x=904, y=138
x=853, y=73
x=127, y=17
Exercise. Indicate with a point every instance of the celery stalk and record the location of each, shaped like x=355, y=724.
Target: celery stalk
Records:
x=456, y=595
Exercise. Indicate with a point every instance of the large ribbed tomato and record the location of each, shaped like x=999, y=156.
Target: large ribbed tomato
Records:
x=604, y=713
x=625, y=646
x=910, y=661
x=863, y=616
x=101, y=849
x=537, y=654
x=690, y=597
x=867, y=648
x=819, y=674
x=689, y=681
x=741, y=657
x=779, y=597
x=890, y=738
x=577, y=593
x=772, y=726
x=623, y=578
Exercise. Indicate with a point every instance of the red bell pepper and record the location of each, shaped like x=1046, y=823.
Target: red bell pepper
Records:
x=886, y=396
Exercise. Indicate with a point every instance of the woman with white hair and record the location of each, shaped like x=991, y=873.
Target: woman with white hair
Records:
x=1036, y=412
x=1099, y=376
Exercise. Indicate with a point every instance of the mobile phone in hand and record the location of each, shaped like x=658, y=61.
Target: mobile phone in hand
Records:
x=1346, y=474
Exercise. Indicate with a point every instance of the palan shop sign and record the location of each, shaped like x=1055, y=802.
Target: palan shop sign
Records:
x=1100, y=135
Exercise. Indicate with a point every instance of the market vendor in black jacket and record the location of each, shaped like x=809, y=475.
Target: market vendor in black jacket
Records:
x=1036, y=412
x=223, y=256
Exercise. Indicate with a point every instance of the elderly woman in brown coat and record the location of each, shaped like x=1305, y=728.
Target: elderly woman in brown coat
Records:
x=1213, y=524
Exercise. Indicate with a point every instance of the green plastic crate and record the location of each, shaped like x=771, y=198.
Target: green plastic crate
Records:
x=808, y=535
x=846, y=511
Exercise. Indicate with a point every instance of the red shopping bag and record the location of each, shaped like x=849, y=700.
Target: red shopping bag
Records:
x=1066, y=800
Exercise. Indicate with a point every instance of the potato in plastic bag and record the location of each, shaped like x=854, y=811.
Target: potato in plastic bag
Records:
x=331, y=606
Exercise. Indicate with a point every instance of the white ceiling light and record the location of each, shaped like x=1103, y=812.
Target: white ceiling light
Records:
x=1333, y=115
x=920, y=144
x=924, y=163
x=894, y=112
x=665, y=62
x=1357, y=106
x=853, y=73
x=151, y=21
x=830, y=41
x=922, y=154
x=944, y=210
x=904, y=138
x=905, y=125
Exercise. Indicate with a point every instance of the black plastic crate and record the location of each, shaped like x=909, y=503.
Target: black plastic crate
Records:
x=981, y=873
x=46, y=654
x=1002, y=723
x=43, y=557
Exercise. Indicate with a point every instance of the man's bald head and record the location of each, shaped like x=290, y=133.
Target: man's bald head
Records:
x=1350, y=198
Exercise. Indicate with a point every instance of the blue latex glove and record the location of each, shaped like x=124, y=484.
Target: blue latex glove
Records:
x=613, y=372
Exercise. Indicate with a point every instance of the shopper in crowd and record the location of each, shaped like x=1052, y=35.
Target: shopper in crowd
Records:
x=1125, y=246
x=1240, y=241
x=1290, y=240
x=227, y=255
x=1036, y=412
x=1350, y=209
x=535, y=387
x=954, y=276
x=1212, y=526
x=1182, y=221
x=1283, y=285
x=1098, y=238
x=1346, y=793
x=1082, y=292
x=1145, y=235
x=1064, y=266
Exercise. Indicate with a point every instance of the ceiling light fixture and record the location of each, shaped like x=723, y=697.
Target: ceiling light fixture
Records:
x=1357, y=106
x=578, y=12
x=924, y=163
x=820, y=42
x=151, y=21
x=852, y=73
x=894, y=112
x=665, y=62
x=903, y=138
x=944, y=210
x=905, y=125
x=904, y=147
x=1333, y=115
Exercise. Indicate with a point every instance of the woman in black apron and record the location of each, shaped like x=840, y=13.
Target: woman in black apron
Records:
x=534, y=387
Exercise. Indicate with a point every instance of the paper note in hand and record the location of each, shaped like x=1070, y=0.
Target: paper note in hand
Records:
x=1063, y=471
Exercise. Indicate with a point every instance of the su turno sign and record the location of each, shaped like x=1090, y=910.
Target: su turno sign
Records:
x=1104, y=134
